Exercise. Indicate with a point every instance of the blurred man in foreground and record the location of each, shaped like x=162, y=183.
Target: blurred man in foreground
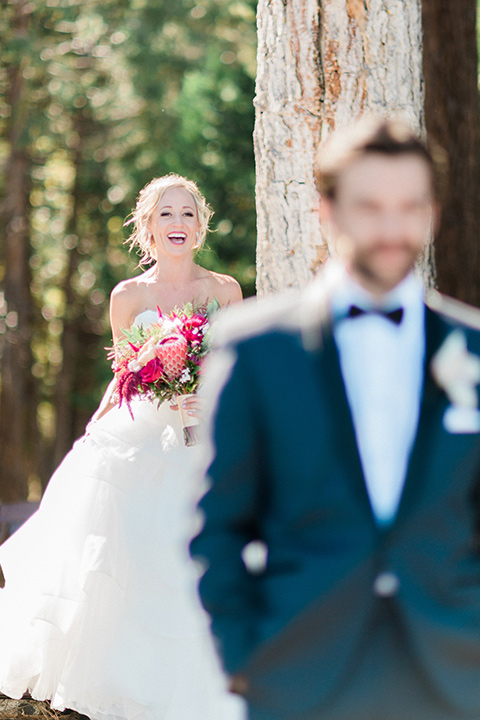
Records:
x=346, y=436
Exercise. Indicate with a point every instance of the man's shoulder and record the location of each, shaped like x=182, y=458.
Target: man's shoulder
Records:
x=257, y=316
x=454, y=311
x=290, y=312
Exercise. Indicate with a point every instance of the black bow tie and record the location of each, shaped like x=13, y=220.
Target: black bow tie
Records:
x=394, y=316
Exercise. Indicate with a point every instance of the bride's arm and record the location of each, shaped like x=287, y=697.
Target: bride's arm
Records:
x=120, y=318
x=106, y=403
x=121, y=305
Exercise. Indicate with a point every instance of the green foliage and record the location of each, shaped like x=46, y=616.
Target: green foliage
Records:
x=200, y=114
x=113, y=93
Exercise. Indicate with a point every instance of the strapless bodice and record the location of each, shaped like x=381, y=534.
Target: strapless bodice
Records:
x=145, y=318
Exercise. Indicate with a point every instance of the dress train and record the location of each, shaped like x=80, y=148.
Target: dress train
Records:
x=100, y=611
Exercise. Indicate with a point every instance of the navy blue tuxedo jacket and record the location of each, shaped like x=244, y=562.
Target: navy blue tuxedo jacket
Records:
x=286, y=470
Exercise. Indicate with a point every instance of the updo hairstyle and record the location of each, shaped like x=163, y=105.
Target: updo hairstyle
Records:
x=148, y=200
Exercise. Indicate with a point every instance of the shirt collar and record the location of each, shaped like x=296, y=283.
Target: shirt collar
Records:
x=408, y=294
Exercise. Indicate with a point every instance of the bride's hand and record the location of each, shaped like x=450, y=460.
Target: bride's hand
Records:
x=193, y=405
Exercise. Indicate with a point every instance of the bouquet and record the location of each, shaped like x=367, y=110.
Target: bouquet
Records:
x=163, y=360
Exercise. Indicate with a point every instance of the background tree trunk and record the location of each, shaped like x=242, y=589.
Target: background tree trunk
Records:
x=17, y=399
x=452, y=119
x=71, y=350
x=79, y=342
x=320, y=65
x=288, y=103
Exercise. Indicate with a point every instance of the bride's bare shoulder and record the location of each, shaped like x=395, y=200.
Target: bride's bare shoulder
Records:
x=130, y=289
x=125, y=300
x=224, y=288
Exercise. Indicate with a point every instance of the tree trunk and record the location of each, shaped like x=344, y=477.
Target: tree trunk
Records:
x=65, y=380
x=78, y=329
x=321, y=64
x=17, y=399
x=288, y=104
x=452, y=119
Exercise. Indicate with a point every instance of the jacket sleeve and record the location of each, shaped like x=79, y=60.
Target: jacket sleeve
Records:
x=232, y=509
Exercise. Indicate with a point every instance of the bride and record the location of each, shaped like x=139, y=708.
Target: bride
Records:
x=99, y=612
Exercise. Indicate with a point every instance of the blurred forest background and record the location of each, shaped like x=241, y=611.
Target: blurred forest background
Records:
x=96, y=98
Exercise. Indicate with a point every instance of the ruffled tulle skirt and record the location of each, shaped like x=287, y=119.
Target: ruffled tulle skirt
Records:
x=100, y=611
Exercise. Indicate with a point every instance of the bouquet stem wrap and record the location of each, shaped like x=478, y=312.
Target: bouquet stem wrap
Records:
x=189, y=422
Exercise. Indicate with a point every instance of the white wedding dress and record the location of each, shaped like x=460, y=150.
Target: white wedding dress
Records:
x=100, y=611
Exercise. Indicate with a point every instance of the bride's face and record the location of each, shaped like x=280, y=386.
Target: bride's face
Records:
x=174, y=224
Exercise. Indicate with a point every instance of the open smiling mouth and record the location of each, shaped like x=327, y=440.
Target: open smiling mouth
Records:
x=177, y=238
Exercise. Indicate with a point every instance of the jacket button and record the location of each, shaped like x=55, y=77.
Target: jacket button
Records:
x=386, y=584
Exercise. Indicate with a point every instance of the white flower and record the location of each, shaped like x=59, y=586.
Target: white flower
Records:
x=457, y=371
x=146, y=353
x=134, y=366
x=171, y=325
x=185, y=376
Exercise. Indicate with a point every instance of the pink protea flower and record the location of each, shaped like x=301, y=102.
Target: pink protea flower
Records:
x=172, y=352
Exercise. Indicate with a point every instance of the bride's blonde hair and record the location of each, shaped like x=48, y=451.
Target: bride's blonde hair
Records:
x=147, y=202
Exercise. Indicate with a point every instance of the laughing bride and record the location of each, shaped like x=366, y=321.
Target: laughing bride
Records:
x=99, y=611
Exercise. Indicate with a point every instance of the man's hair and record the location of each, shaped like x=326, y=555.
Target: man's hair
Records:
x=374, y=135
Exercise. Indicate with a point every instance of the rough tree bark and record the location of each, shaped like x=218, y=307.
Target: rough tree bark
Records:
x=452, y=118
x=288, y=105
x=17, y=399
x=321, y=63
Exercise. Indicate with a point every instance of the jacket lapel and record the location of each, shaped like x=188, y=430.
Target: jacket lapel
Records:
x=431, y=410
x=317, y=337
x=343, y=430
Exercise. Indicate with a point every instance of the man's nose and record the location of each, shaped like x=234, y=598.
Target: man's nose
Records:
x=391, y=225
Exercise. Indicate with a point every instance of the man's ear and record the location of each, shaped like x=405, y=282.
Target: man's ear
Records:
x=325, y=211
x=327, y=225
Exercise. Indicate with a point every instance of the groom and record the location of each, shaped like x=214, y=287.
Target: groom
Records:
x=346, y=439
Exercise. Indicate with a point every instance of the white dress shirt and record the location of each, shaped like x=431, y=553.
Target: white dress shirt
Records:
x=382, y=368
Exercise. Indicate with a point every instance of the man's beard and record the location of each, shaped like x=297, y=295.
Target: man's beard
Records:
x=384, y=275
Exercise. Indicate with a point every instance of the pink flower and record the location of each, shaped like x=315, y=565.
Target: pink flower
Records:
x=152, y=371
x=193, y=328
x=173, y=353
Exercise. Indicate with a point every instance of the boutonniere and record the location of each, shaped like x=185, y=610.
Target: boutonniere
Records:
x=457, y=372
